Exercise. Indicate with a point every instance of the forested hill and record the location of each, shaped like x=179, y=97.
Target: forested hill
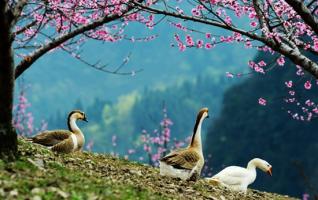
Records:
x=138, y=111
x=40, y=174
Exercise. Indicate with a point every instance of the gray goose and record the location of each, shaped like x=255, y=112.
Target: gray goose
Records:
x=186, y=163
x=63, y=141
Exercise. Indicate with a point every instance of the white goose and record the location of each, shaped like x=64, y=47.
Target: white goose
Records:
x=63, y=141
x=186, y=163
x=238, y=178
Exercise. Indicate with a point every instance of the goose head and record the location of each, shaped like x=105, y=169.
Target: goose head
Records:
x=263, y=165
x=203, y=113
x=78, y=115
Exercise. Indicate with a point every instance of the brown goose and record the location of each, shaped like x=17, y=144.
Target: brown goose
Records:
x=186, y=163
x=64, y=141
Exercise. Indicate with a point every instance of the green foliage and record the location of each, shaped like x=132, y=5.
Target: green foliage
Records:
x=245, y=130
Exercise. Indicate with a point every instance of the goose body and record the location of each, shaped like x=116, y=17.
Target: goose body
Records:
x=239, y=178
x=186, y=163
x=64, y=141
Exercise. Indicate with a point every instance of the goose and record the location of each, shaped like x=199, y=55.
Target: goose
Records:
x=63, y=141
x=186, y=163
x=238, y=178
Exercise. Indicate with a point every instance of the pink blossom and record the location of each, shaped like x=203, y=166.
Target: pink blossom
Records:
x=292, y=92
x=307, y=85
x=281, y=61
x=262, y=63
x=252, y=15
x=181, y=46
x=189, y=40
x=131, y=151
x=316, y=44
x=229, y=75
x=259, y=69
x=289, y=84
x=253, y=24
x=195, y=12
x=199, y=43
x=305, y=196
x=309, y=103
x=262, y=101
x=208, y=45
x=248, y=44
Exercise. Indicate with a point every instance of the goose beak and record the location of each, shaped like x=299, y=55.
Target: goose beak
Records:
x=269, y=171
x=85, y=119
x=207, y=116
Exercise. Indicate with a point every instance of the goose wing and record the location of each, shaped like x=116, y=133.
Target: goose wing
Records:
x=66, y=146
x=50, y=138
x=232, y=175
x=182, y=159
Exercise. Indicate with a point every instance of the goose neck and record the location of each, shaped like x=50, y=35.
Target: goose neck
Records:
x=72, y=126
x=196, y=141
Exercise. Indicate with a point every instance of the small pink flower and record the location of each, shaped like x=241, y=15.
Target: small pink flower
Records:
x=252, y=15
x=229, y=75
x=208, y=35
x=307, y=85
x=199, y=43
x=195, y=12
x=289, y=84
x=281, y=61
x=131, y=151
x=253, y=24
x=208, y=45
x=305, y=196
x=262, y=101
x=309, y=103
x=292, y=93
x=262, y=63
x=259, y=70
x=189, y=40
x=248, y=44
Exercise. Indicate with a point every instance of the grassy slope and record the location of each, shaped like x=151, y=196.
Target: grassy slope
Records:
x=41, y=174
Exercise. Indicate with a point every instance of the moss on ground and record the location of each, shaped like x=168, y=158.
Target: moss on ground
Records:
x=41, y=174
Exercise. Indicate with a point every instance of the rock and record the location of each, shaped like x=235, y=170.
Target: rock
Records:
x=37, y=191
x=14, y=193
x=36, y=197
x=2, y=192
x=39, y=163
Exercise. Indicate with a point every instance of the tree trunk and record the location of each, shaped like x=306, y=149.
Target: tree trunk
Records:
x=8, y=136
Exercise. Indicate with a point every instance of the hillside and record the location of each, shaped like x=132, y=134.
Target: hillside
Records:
x=40, y=174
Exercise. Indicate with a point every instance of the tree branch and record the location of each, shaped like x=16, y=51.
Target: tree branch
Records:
x=18, y=9
x=203, y=21
x=304, y=13
x=292, y=53
x=29, y=60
